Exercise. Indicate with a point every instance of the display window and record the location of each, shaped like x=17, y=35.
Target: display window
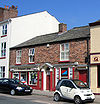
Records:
x=33, y=78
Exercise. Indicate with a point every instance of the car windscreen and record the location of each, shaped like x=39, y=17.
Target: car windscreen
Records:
x=15, y=81
x=80, y=84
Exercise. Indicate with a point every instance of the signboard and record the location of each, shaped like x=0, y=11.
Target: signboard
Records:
x=95, y=59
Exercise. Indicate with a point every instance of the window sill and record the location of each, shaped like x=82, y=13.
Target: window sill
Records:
x=65, y=61
x=2, y=57
x=17, y=64
x=3, y=36
x=31, y=63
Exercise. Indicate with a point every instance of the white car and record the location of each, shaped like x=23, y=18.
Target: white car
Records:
x=74, y=90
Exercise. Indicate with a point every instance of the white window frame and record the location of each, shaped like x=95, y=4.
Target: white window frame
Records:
x=18, y=56
x=65, y=52
x=2, y=72
x=35, y=79
x=4, y=29
x=31, y=54
x=3, y=49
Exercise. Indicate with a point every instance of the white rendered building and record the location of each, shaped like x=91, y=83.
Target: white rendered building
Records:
x=17, y=30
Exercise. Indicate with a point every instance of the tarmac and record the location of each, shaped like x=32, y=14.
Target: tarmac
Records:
x=50, y=94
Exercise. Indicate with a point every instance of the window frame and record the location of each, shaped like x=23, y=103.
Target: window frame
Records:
x=3, y=49
x=18, y=56
x=4, y=29
x=65, y=52
x=2, y=71
x=31, y=55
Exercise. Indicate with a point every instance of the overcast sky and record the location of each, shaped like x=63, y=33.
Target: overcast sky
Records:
x=74, y=13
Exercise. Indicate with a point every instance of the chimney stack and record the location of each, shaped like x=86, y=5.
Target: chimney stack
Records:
x=8, y=12
x=62, y=27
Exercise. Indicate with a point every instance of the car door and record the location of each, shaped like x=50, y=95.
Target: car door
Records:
x=64, y=89
x=67, y=89
x=1, y=87
x=70, y=89
x=5, y=85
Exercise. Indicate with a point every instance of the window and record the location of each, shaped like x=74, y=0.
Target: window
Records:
x=33, y=78
x=31, y=55
x=4, y=29
x=64, y=52
x=64, y=73
x=18, y=56
x=98, y=75
x=3, y=49
x=2, y=71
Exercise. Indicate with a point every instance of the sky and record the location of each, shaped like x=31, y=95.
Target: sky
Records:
x=74, y=13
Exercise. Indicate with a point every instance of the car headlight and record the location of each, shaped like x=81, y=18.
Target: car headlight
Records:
x=30, y=87
x=19, y=88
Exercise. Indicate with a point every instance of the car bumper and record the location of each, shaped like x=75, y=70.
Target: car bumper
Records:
x=88, y=98
x=29, y=91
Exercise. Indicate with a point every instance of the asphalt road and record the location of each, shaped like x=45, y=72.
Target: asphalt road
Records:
x=28, y=99
x=31, y=99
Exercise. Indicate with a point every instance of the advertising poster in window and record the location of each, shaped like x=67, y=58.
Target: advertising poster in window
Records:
x=64, y=73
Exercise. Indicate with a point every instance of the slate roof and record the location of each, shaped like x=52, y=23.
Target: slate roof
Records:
x=75, y=33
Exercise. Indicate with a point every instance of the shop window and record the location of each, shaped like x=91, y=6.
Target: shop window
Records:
x=4, y=30
x=57, y=75
x=3, y=49
x=2, y=71
x=31, y=55
x=70, y=73
x=18, y=56
x=98, y=75
x=64, y=73
x=24, y=77
x=16, y=75
x=64, y=52
x=33, y=78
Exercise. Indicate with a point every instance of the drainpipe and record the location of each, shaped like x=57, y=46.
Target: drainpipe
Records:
x=88, y=62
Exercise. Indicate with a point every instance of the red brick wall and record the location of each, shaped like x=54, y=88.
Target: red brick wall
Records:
x=8, y=13
x=78, y=52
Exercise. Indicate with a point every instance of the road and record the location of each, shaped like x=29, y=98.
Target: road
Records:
x=30, y=99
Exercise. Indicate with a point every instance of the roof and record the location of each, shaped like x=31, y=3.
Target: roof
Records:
x=95, y=23
x=75, y=33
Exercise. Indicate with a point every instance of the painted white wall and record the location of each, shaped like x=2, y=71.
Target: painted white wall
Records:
x=24, y=28
x=29, y=26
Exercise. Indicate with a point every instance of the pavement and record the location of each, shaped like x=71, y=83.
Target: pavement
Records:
x=50, y=94
x=44, y=93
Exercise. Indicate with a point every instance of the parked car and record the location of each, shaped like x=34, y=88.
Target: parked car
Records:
x=14, y=86
x=74, y=90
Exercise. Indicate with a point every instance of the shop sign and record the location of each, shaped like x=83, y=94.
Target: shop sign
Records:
x=95, y=59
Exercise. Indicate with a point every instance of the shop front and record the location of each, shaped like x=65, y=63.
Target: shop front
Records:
x=95, y=72
x=46, y=76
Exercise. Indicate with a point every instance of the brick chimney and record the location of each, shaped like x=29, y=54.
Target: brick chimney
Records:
x=8, y=12
x=62, y=27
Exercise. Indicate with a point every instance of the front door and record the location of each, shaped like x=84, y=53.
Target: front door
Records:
x=48, y=82
x=83, y=75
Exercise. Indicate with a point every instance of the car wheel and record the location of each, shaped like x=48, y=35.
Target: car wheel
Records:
x=56, y=97
x=12, y=92
x=77, y=100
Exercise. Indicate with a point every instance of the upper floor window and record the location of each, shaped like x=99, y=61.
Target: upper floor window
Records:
x=31, y=55
x=18, y=56
x=2, y=71
x=64, y=52
x=3, y=49
x=4, y=29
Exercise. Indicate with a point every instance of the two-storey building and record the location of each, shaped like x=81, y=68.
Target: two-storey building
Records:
x=13, y=31
x=43, y=60
x=95, y=56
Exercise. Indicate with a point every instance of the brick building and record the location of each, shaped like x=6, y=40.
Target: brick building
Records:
x=8, y=12
x=43, y=60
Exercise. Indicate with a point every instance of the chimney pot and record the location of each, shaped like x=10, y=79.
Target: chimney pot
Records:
x=5, y=6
